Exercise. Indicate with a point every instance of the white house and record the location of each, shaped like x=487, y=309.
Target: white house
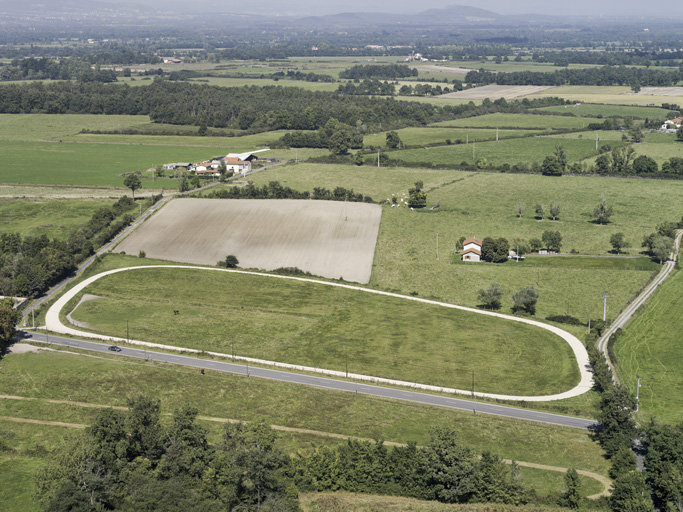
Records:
x=673, y=124
x=236, y=165
x=471, y=249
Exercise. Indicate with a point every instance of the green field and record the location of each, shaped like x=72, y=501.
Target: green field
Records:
x=18, y=127
x=651, y=347
x=103, y=380
x=319, y=326
x=525, y=121
x=52, y=163
x=55, y=218
x=592, y=109
x=511, y=151
x=484, y=204
x=433, y=135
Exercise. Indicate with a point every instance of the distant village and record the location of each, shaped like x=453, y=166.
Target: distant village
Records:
x=237, y=163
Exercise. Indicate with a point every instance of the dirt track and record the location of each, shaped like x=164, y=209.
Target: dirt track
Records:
x=327, y=238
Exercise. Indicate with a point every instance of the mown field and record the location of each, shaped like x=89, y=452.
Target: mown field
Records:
x=320, y=326
x=610, y=95
x=50, y=217
x=651, y=347
x=512, y=151
x=592, y=109
x=433, y=135
x=108, y=381
x=524, y=121
x=484, y=204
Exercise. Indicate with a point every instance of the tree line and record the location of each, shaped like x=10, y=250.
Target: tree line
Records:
x=274, y=190
x=131, y=460
x=65, y=69
x=245, y=108
x=30, y=265
x=605, y=75
x=380, y=71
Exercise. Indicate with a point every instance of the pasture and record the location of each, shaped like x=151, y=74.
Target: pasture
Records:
x=439, y=135
x=108, y=381
x=327, y=238
x=520, y=121
x=55, y=218
x=591, y=109
x=651, y=347
x=326, y=327
x=525, y=150
x=484, y=204
x=36, y=127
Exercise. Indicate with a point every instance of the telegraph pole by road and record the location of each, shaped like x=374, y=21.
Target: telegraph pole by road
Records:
x=604, y=306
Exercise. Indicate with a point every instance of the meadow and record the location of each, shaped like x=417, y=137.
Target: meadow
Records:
x=108, y=381
x=55, y=218
x=319, y=326
x=651, y=347
x=511, y=151
x=439, y=135
x=21, y=127
x=524, y=121
x=592, y=109
x=485, y=204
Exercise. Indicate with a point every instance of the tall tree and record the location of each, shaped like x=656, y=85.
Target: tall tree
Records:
x=393, y=140
x=572, y=496
x=602, y=212
x=9, y=317
x=132, y=181
x=554, y=210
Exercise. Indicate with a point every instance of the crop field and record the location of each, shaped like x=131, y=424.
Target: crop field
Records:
x=108, y=381
x=327, y=238
x=660, y=91
x=18, y=127
x=495, y=92
x=651, y=347
x=433, y=135
x=523, y=121
x=53, y=218
x=511, y=151
x=590, y=109
x=326, y=327
x=608, y=94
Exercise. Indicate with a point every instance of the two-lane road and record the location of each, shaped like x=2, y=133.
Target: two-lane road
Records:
x=327, y=383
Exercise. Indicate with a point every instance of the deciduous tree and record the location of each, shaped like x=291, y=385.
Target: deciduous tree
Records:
x=525, y=300
x=554, y=210
x=9, y=317
x=492, y=296
x=618, y=242
x=552, y=240
x=132, y=181
x=602, y=212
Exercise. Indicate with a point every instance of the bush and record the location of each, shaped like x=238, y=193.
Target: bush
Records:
x=565, y=319
x=142, y=254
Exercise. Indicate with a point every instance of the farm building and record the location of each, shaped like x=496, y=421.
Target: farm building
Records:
x=672, y=124
x=236, y=165
x=471, y=249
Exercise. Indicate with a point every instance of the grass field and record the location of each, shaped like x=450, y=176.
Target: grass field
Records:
x=262, y=82
x=432, y=135
x=591, y=109
x=526, y=121
x=54, y=218
x=18, y=127
x=511, y=151
x=484, y=204
x=314, y=325
x=53, y=163
x=610, y=95
x=651, y=347
x=103, y=380
x=225, y=144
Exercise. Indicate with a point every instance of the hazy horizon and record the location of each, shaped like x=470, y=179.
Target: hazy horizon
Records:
x=654, y=8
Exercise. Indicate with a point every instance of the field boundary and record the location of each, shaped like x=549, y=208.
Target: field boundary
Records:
x=53, y=323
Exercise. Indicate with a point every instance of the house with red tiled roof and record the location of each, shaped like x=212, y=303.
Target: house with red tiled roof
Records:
x=471, y=249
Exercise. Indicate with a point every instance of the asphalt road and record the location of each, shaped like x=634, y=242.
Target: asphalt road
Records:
x=326, y=383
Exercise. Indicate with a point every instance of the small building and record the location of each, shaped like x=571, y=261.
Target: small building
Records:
x=237, y=166
x=471, y=249
x=673, y=124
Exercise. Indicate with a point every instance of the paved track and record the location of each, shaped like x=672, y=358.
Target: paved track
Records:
x=326, y=383
x=631, y=309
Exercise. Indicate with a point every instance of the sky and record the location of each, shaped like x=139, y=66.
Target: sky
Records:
x=315, y=7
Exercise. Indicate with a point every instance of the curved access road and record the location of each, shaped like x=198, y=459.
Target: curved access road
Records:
x=631, y=309
x=54, y=323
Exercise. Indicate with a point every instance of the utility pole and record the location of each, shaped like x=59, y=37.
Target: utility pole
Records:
x=33, y=317
x=378, y=158
x=638, y=394
x=437, y=246
x=589, y=325
x=496, y=134
x=467, y=139
x=127, y=337
x=347, y=364
x=473, y=395
x=596, y=141
x=604, y=306
x=474, y=147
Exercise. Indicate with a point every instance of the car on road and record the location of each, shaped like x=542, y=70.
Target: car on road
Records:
x=114, y=348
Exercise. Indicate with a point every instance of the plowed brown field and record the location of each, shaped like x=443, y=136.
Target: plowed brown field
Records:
x=327, y=238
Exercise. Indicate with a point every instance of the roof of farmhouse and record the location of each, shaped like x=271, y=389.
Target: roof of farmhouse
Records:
x=472, y=249
x=472, y=240
x=245, y=156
